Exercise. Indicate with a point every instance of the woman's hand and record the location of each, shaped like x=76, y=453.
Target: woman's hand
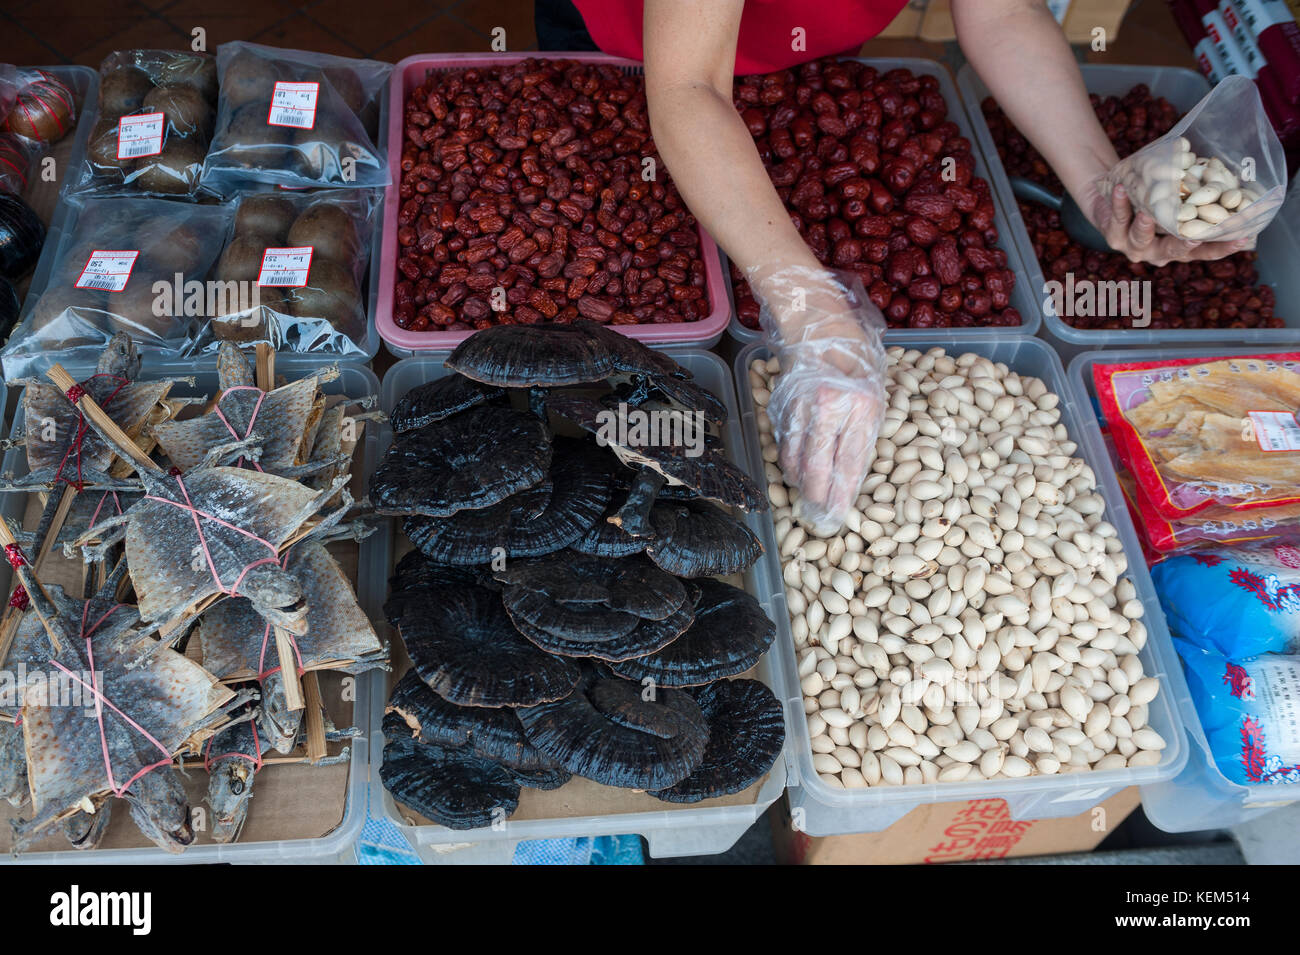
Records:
x=1133, y=233
x=829, y=400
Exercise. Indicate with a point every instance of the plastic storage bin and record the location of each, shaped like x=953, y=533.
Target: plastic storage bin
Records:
x=337, y=846
x=408, y=74
x=827, y=811
x=1278, y=247
x=1200, y=796
x=671, y=830
x=1023, y=296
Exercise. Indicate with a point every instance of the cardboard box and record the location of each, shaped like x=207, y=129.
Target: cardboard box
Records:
x=1081, y=18
x=953, y=832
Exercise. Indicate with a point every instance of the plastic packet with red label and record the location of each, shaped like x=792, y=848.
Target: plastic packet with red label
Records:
x=294, y=119
x=156, y=114
x=1199, y=432
x=303, y=258
x=138, y=265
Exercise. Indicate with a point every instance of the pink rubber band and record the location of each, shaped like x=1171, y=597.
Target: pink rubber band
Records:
x=101, y=701
x=261, y=396
x=203, y=541
x=255, y=759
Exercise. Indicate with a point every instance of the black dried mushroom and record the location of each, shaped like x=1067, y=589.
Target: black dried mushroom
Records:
x=746, y=733
x=609, y=732
x=455, y=788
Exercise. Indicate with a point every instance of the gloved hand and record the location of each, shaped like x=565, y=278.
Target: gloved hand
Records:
x=829, y=401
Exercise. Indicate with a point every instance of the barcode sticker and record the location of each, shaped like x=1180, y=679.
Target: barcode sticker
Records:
x=285, y=267
x=140, y=135
x=1276, y=430
x=294, y=104
x=108, y=270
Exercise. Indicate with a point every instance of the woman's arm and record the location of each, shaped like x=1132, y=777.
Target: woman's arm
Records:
x=826, y=409
x=690, y=55
x=1023, y=57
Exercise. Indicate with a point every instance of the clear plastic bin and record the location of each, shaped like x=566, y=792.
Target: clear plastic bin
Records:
x=673, y=830
x=1200, y=796
x=827, y=811
x=1278, y=247
x=1023, y=298
x=408, y=74
x=339, y=845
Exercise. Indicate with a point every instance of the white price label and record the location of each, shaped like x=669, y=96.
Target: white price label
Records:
x=108, y=270
x=1276, y=430
x=294, y=104
x=139, y=136
x=285, y=267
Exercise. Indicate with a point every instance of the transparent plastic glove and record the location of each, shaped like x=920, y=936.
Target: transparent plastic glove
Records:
x=828, y=403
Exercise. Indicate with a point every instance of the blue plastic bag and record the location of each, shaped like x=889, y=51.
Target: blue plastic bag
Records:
x=1238, y=601
x=1250, y=709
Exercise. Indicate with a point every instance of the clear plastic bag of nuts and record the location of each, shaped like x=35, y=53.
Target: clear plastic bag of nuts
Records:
x=1219, y=175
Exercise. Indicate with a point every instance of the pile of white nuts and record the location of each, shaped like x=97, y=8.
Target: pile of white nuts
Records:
x=1199, y=192
x=970, y=621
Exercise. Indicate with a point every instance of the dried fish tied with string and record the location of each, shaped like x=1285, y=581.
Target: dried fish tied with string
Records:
x=282, y=421
x=211, y=531
x=239, y=644
x=1200, y=433
x=121, y=734
x=60, y=446
x=233, y=758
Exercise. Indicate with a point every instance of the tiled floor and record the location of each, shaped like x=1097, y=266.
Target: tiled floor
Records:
x=36, y=32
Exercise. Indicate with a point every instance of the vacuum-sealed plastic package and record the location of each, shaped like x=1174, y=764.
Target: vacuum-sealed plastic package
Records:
x=1219, y=175
x=1199, y=432
x=1238, y=601
x=305, y=256
x=296, y=119
x=157, y=109
x=138, y=266
x=1250, y=709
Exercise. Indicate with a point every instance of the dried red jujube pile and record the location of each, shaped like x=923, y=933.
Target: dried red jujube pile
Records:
x=1218, y=294
x=528, y=178
x=858, y=158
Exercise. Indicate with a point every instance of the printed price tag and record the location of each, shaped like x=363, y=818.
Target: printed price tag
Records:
x=108, y=270
x=1276, y=430
x=294, y=104
x=285, y=267
x=140, y=135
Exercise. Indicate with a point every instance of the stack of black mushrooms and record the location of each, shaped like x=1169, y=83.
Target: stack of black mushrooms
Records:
x=560, y=609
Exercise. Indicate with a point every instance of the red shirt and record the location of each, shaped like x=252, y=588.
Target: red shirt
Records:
x=766, y=29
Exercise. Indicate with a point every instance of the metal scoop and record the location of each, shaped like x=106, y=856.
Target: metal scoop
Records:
x=1073, y=221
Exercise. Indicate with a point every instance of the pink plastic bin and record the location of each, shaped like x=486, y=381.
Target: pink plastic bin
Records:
x=408, y=74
